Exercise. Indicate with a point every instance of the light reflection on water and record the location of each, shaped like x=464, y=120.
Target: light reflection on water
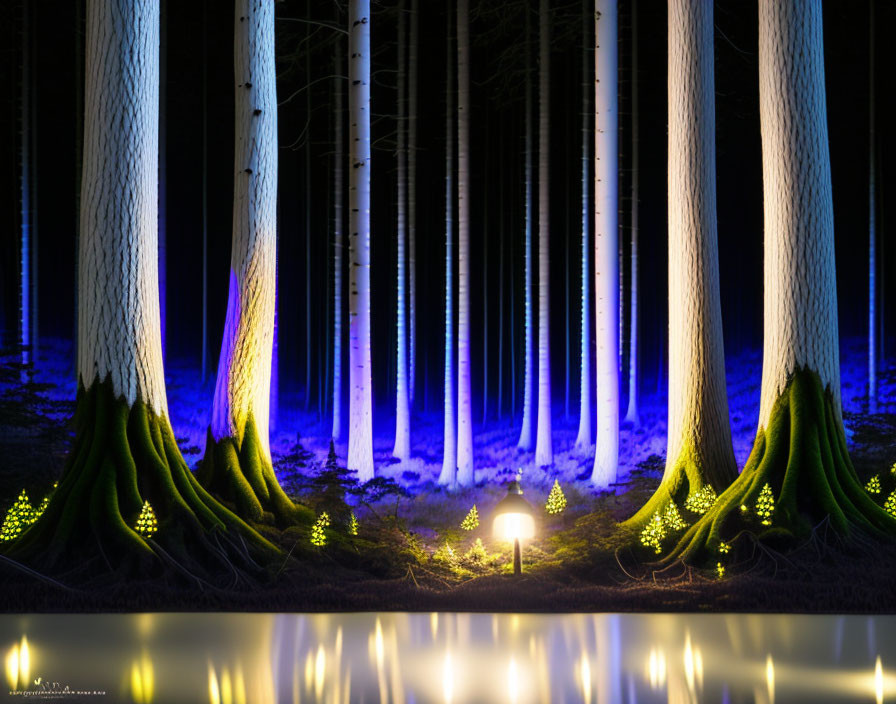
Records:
x=452, y=658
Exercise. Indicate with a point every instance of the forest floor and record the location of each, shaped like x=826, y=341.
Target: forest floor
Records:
x=401, y=558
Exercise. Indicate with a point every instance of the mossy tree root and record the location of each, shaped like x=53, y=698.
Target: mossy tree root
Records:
x=242, y=476
x=802, y=456
x=122, y=457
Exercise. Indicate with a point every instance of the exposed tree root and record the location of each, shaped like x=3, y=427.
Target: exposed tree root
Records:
x=240, y=474
x=802, y=457
x=122, y=457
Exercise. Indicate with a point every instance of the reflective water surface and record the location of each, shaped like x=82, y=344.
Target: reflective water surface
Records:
x=450, y=658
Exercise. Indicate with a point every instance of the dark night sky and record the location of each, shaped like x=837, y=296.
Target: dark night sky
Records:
x=497, y=139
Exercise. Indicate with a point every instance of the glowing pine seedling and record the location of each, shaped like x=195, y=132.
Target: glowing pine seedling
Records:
x=720, y=570
x=472, y=520
x=724, y=548
x=765, y=505
x=477, y=553
x=146, y=522
x=556, y=500
x=701, y=501
x=653, y=533
x=873, y=485
x=318, y=534
x=353, y=524
x=672, y=517
x=890, y=504
x=445, y=554
x=18, y=518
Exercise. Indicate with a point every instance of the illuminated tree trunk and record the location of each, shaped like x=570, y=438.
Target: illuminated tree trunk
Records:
x=583, y=439
x=800, y=449
x=606, y=233
x=464, y=400
x=360, y=411
x=338, y=242
x=237, y=464
x=544, y=451
x=872, y=230
x=448, y=476
x=27, y=240
x=402, y=449
x=124, y=451
x=525, y=441
x=699, y=450
x=631, y=415
x=412, y=198
x=163, y=174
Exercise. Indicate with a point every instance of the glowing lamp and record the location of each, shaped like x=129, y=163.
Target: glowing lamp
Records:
x=514, y=520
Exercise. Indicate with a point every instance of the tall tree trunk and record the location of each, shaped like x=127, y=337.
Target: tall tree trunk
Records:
x=308, y=207
x=124, y=451
x=26, y=245
x=163, y=174
x=631, y=415
x=204, y=358
x=525, y=441
x=699, y=450
x=79, y=153
x=501, y=256
x=872, y=232
x=544, y=450
x=360, y=411
x=338, y=240
x=448, y=476
x=800, y=450
x=402, y=449
x=237, y=463
x=464, y=400
x=606, y=232
x=583, y=438
x=412, y=197
x=35, y=209
x=484, y=297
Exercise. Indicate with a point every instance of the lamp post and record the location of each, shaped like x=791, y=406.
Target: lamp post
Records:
x=514, y=520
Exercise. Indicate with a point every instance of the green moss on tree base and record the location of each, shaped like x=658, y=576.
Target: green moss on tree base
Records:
x=242, y=476
x=802, y=457
x=122, y=457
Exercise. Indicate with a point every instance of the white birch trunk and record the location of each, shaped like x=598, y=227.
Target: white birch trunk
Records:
x=243, y=385
x=544, y=451
x=606, y=234
x=464, y=400
x=402, y=448
x=448, y=476
x=338, y=238
x=631, y=415
x=699, y=433
x=360, y=440
x=118, y=318
x=800, y=321
x=583, y=438
x=412, y=198
x=525, y=441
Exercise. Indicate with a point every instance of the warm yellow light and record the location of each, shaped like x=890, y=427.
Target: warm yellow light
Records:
x=448, y=679
x=656, y=668
x=136, y=683
x=513, y=685
x=513, y=526
x=24, y=662
x=12, y=668
x=239, y=685
x=770, y=678
x=214, y=693
x=226, y=687
x=378, y=644
x=320, y=668
x=434, y=624
x=878, y=681
x=586, y=679
x=689, y=663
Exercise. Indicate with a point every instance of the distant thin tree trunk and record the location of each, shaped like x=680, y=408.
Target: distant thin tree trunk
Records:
x=163, y=174
x=204, y=361
x=464, y=400
x=525, y=441
x=606, y=231
x=448, y=476
x=26, y=244
x=360, y=440
x=872, y=233
x=79, y=152
x=412, y=194
x=501, y=245
x=35, y=210
x=402, y=449
x=544, y=451
x=485, y=199
x=308, y=209
x=337, y=241
x=583, y=438
x=631, y=415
